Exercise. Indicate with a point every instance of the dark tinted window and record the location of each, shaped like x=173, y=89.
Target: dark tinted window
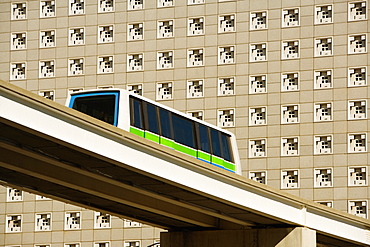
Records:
x=226, y=150
x=102, y=107
x=204, y=138
x=183, y=131
x=216, y=145
x=151, y=112
x=165, y=123
x=136, y=113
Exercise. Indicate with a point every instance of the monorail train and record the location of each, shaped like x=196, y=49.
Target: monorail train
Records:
x=161, y=124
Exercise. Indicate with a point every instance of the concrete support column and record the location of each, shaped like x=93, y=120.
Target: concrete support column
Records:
x=280, y=237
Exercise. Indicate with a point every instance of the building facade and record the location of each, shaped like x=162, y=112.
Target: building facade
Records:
x=288, y=77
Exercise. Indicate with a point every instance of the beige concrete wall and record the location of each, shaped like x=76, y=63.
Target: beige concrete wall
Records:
x=116, y=235
x=338, y=195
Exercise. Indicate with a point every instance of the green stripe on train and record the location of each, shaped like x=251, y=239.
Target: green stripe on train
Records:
x=136, y=131
x=151, y=136
x=166, y=142
x=217, y=161
x=184, y=149
x=229, y=165
x=204, y=156
x=223, y=163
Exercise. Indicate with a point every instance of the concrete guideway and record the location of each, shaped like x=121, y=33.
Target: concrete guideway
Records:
x=53, y=150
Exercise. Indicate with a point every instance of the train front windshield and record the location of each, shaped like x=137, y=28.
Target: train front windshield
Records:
x=102, y=107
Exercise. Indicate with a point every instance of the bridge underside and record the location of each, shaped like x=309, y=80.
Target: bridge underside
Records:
x=41, y=164
x=53, y=168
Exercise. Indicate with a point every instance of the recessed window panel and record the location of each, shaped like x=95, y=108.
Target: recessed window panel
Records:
x=151, y=111
x=183, y=131
x=204, y=139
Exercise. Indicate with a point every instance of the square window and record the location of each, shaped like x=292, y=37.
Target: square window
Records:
x=196, y=114
x=132, y=243
x=195, y=57
x=104, y=87
x=46, y=69
x=135, y=62
x=290, y=179
x=324, y=14
x=226, y=118
x=323, y=145
x=77, y=36
x=43, y=222
x=357, y=11
x=323, y=177
x=289, y=114
x=135, y=4
x=328, y=204
x=291, y=17
x=323, y=112
x=72, y=221
x=290, y=49
x=323, y=79
x=72, y=245
x=357, y=109
x=258, y=52
x=19, y=41
x=102, y=220
x=195, y=2
x=258, y=20
x=14, y=195
x=105, y=6
x=226, y=55
x=164, y=91
x=226, y=23
x=38, y=197
x=47, y=38
x=257, y=84
x=289, y=146
x=196, y=26
x=101, y=244
x=14, y=223
x=165, y=3
x=165, y=29
x=106, y=34
x=105, y=65
x=47, y=9
x=257, y=148
x=47, y=94
x=323, y=47
x=357, y=77
x=17, y=71
x=19, y=11
x=195, y=88
x=289, y=82
x=135, y=31
x=358, y=208
x=76, y=66
x=76, y=7
x=259, y=176
x=165, y=60
x=257, y=116
x=357, y=176
x=357, y=43
x=226, y=86
x=356, y=143
x=130, y=224
x=136, y=89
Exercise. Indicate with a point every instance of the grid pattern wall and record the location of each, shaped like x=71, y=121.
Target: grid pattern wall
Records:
x=29, y=220
x=290, y=77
